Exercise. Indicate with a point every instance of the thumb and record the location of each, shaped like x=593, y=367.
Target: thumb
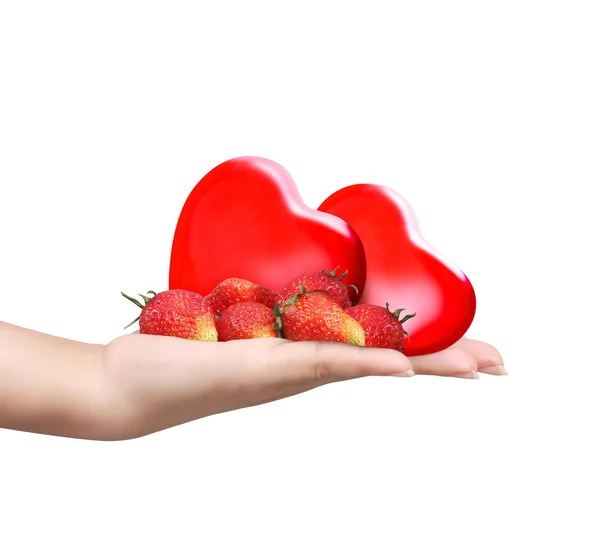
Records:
x=323, y=361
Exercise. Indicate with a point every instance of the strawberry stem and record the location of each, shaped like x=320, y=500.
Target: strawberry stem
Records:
x=407, y=317
x=343, y=274
x=333, y=272
x=302, y=289
x=396, y=313
x=278, y=312
x=293, y=299
x=131, y=323
x=278, y=309
x=354, y=287
x=133, y=300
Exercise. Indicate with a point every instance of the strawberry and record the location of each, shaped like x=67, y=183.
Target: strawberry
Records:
x=234, y=290
x=176, y=313
x=319, y=280
x=246, y=320
x=315, y=316
x=383, y=329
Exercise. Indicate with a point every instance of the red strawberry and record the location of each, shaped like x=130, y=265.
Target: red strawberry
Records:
x=319, y=280
x=234, y=290
x=176, y=313
x=315, y=316
x=246, y=320
x=382, y=328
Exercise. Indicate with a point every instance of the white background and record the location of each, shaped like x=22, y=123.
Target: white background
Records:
x=484, y=115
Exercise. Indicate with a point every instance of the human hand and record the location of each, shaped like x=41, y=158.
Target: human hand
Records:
x=160, y=382
x=139, y=384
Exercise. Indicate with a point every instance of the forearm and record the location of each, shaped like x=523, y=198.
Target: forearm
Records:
x=51, y=385
x=126, y=389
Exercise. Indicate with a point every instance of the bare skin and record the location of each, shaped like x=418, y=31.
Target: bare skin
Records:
x=140, y=384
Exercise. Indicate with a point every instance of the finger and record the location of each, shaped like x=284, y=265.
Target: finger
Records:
x=489, y=360
x=322, y=361
x=456, y=362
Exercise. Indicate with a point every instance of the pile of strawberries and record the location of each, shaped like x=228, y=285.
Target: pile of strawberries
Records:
x=315, y=306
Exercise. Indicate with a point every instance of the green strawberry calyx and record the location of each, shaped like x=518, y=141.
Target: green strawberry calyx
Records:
x=353, y=286
x=278, y=325
x=396, y=315
x=333, y=273
x=133, y=300
x=278, y=309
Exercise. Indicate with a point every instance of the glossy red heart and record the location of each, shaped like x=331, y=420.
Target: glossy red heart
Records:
x=246, y=219
x=403, y=269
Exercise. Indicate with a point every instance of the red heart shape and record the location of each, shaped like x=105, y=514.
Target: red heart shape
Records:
x=403, y=269
x=246, y=219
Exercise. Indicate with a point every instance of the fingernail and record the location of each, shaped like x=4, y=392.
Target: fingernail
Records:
x=472, y=374
x=409, y=372
x=498, y=370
